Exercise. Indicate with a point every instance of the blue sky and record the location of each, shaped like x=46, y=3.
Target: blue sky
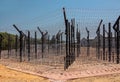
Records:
x=22, y=12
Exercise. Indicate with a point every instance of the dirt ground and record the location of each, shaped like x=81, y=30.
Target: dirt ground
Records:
x=85, y=69
x=7, y=75
x=105, y=78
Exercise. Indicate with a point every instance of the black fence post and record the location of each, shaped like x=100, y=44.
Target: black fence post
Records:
x=70, y=41
x=115, y=35
x=106, y=55
x=42, y=45
x=21, y=41
x=43, y=39
x=67, y=46
x=98, y=42
x=35, y=44
x=71, y=44
x=109, y=41
x=66, y=33
x=61, y=42
x=28, y=45
x=24, y=45
x=118, y=43
x=21, y=45
x=116, y=28
x=103, y=42
x=101, y=54
x=16, y=44
x=1, y=38
x=118, y=33
x=48, y=43
x=88, y=44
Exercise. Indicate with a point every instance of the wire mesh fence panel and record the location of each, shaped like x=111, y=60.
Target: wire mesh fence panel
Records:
x=65, y=39
x=98, y=37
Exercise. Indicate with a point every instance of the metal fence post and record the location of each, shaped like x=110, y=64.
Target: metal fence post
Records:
x=88, y=44
x=103, y=42
x=1, y=38
x=16, y=44
x=35, y=44
x=48, y=43
x=98, y=42
x=109, y=41
x=116, y=28
x=21, y=45
x=21, y=41
x=28, y=45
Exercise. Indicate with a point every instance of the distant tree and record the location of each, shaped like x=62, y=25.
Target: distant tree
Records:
x=5, y=40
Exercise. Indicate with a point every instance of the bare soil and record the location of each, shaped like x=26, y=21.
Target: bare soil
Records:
x=84, y=69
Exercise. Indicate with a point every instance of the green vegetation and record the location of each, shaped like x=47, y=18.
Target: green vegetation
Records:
x=6, y=40
x=9, y=40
